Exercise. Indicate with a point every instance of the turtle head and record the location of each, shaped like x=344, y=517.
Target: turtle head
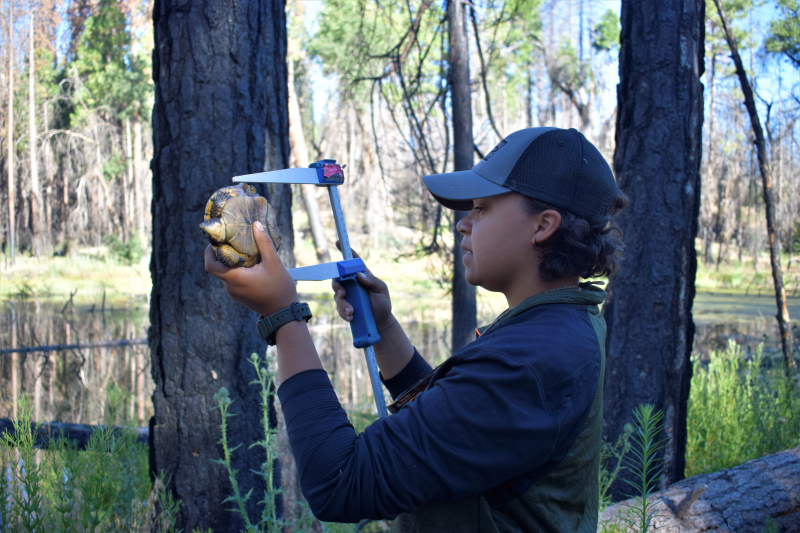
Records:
x=215, y=229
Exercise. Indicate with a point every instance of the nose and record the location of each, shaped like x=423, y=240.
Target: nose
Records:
x=464, y=226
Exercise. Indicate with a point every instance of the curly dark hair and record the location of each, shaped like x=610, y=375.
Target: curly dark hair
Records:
x=580, y=247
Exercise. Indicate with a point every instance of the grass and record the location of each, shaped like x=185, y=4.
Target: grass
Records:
x=88, y=275
x=744, y=278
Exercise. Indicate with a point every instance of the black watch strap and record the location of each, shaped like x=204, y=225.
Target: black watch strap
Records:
x=267, y=326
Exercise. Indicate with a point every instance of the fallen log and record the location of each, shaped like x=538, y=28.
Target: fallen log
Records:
x=742, y=499
x=78, y=346
x=78, y=434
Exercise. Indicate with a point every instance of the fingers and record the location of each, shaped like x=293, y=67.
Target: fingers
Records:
x=266, y=248
x=368, y=280
x=344, y=309
x=339, y=246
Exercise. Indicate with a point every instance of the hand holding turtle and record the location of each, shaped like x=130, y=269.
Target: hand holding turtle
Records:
x=378, y=297
x=266, y=287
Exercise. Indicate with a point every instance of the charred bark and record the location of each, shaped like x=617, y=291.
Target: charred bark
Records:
x=464, y=303
x=220, y=111
x=657, y=163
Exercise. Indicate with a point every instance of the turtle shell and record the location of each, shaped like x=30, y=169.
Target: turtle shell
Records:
x=228, y=224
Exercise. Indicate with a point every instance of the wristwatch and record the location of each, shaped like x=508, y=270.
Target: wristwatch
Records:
x=267, y=326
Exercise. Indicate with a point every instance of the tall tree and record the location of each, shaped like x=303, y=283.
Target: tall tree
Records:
x=220, y=111
x=300, y=151
x=37, y=205
x=657, y=163
x=464, y=303
x=10, y=139
x=766, y=183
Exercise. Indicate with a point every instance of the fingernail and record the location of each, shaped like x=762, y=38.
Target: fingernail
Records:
x=259, y=226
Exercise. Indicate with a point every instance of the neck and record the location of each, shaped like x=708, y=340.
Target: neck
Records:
x=516, y=297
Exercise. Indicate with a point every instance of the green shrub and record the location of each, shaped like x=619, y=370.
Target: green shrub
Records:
x=130, y=252
x=739, y=409
x=101, y=489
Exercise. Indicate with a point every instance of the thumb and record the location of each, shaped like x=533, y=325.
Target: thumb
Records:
x=368, y=280
x=266, y=248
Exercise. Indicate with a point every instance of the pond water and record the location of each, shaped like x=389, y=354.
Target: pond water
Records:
x=69, y=385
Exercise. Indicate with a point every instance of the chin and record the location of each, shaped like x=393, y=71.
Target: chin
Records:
x=472, y=280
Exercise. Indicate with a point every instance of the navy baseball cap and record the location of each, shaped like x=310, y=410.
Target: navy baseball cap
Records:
x=554, y=165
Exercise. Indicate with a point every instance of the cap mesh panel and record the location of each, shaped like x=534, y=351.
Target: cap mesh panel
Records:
x=562, y=168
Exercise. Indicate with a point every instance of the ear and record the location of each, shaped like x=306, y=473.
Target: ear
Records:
x=549, y=221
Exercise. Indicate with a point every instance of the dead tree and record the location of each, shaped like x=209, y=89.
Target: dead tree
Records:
x=766, y=184
x=10, y=140
x=464, y=302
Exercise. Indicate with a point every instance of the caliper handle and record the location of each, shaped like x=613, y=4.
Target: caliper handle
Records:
x=363, y=328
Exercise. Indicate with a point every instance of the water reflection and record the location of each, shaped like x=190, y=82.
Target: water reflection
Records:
x=69, y=386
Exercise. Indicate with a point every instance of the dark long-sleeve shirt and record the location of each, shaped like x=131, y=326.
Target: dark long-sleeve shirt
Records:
x=498, y=415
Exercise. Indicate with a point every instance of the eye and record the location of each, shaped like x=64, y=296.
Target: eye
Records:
x=477, y=208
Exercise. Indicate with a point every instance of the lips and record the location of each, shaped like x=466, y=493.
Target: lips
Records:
x=467, y=252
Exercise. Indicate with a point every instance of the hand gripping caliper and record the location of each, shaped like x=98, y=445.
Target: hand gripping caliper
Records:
x=327, y=173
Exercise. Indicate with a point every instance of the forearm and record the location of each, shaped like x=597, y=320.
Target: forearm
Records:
x=394, y=351
x=296, y=350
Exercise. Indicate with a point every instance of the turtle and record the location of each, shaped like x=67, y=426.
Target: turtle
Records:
x=228, y=224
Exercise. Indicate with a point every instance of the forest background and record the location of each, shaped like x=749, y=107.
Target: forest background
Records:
x=374, y=96
x=368, y=86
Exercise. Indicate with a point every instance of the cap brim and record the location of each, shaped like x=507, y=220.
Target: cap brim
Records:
x=456, y=190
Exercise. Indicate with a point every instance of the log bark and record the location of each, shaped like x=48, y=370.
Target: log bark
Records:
x=47, y=433
x=464, y=303
x=736, y=500
x=769, y=203
x=657, y=164
x=220, y=111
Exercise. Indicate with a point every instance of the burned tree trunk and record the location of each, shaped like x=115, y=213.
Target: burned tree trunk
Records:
x=657, y=163
x=464, y=303
x=220, y=111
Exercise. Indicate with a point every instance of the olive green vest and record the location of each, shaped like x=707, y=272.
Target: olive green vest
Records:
x=563, y=500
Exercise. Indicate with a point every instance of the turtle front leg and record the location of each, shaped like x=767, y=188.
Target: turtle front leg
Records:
x=230, y=257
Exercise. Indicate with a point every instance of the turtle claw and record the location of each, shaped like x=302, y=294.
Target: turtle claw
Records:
x=230, y=257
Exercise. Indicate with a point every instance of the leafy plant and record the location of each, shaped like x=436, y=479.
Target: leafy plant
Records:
x=130, y=252
x=608, y=475
x=606, y=32
x=269, y=521
x=104, y=488
x=739, y=409
x=645, y=464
